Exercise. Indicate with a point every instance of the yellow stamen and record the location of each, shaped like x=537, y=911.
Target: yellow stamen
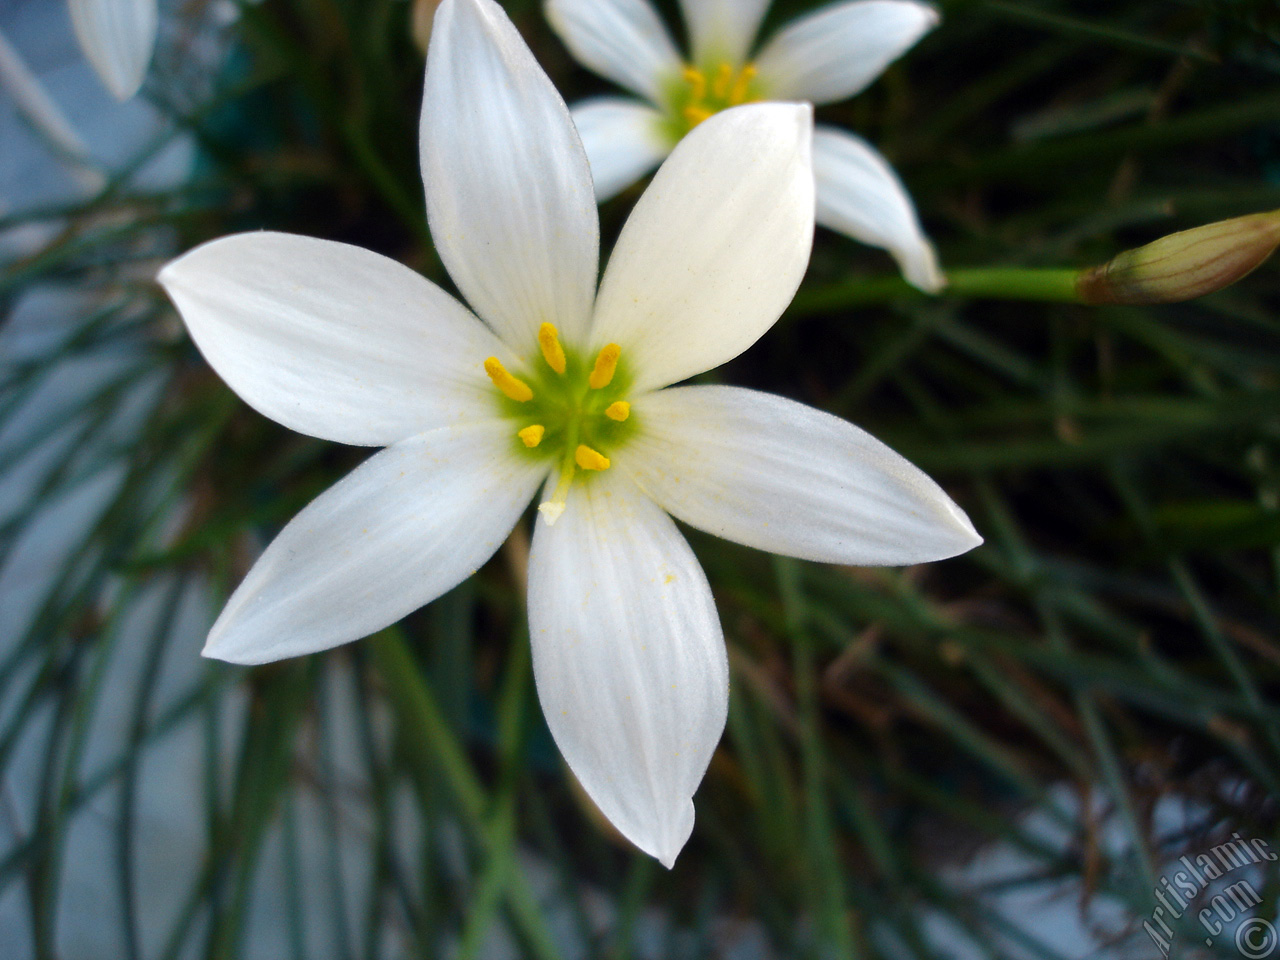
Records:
x=589, y=459
x=740, y=86
x=697, y=82
x=606, y=366
x=618, y=410
x=552, y=352
x=720, y=86
x=516, y=389
x=695, y=115
x=532, y=436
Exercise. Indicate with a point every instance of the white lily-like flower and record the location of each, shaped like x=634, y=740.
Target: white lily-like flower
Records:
x=117, y=37
x=558, y=387
x=824, y=57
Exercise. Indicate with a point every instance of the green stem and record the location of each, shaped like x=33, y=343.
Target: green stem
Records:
x=828, y=893
x=1056, y=284
x=427, y=732
x=494, y=879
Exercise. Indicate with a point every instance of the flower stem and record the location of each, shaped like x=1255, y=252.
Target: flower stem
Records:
x=434, y=750
x=1054, y=284
x=1014, y=283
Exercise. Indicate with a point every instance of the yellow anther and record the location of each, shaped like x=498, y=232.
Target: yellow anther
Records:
x=532, y=436
x=720, y=86
x=697, y=82
x=589, y=459
x=516, y=389
x=552, y=352
x=618, y=410
x=606, y=366
x=740, y=86
x=695, y=115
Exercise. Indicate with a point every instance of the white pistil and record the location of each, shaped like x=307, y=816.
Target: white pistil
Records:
x=553, y=508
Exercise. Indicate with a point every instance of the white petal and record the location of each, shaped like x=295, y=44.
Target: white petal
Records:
x=629, y=658
x=42, y=112
x=784, y=477
x=834, y=53
x=722, y=30
x=624, y=141
x=409, y=523
x=117, y=37
x=509, y=195
x=333, y=340
x=623, y=40
x=859, y=195
x=716, y=246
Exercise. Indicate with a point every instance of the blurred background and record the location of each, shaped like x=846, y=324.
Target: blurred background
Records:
x=1002, y=755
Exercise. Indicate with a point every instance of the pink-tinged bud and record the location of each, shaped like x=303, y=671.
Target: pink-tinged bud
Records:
x=1186, y=265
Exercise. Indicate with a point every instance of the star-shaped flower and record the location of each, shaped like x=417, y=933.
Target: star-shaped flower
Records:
x=561, y=387
x=824, y=57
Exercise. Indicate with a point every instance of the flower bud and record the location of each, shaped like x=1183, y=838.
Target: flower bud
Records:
x=1186, y=265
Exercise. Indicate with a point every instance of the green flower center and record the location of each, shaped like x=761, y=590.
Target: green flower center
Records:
x=569, y=411
x=697, y=94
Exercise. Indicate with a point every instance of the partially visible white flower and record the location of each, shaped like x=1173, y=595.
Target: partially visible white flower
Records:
x=564, y=388
x=44, y=115
x=117, y=37
x=823, y=57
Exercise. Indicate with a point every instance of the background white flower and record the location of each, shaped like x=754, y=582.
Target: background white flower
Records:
x=117, y=37
x=559, y=386
x=823, y=57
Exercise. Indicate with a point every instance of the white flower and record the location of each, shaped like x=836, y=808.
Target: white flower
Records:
x=826, y=56
x=559, y=388
x=117, y=37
